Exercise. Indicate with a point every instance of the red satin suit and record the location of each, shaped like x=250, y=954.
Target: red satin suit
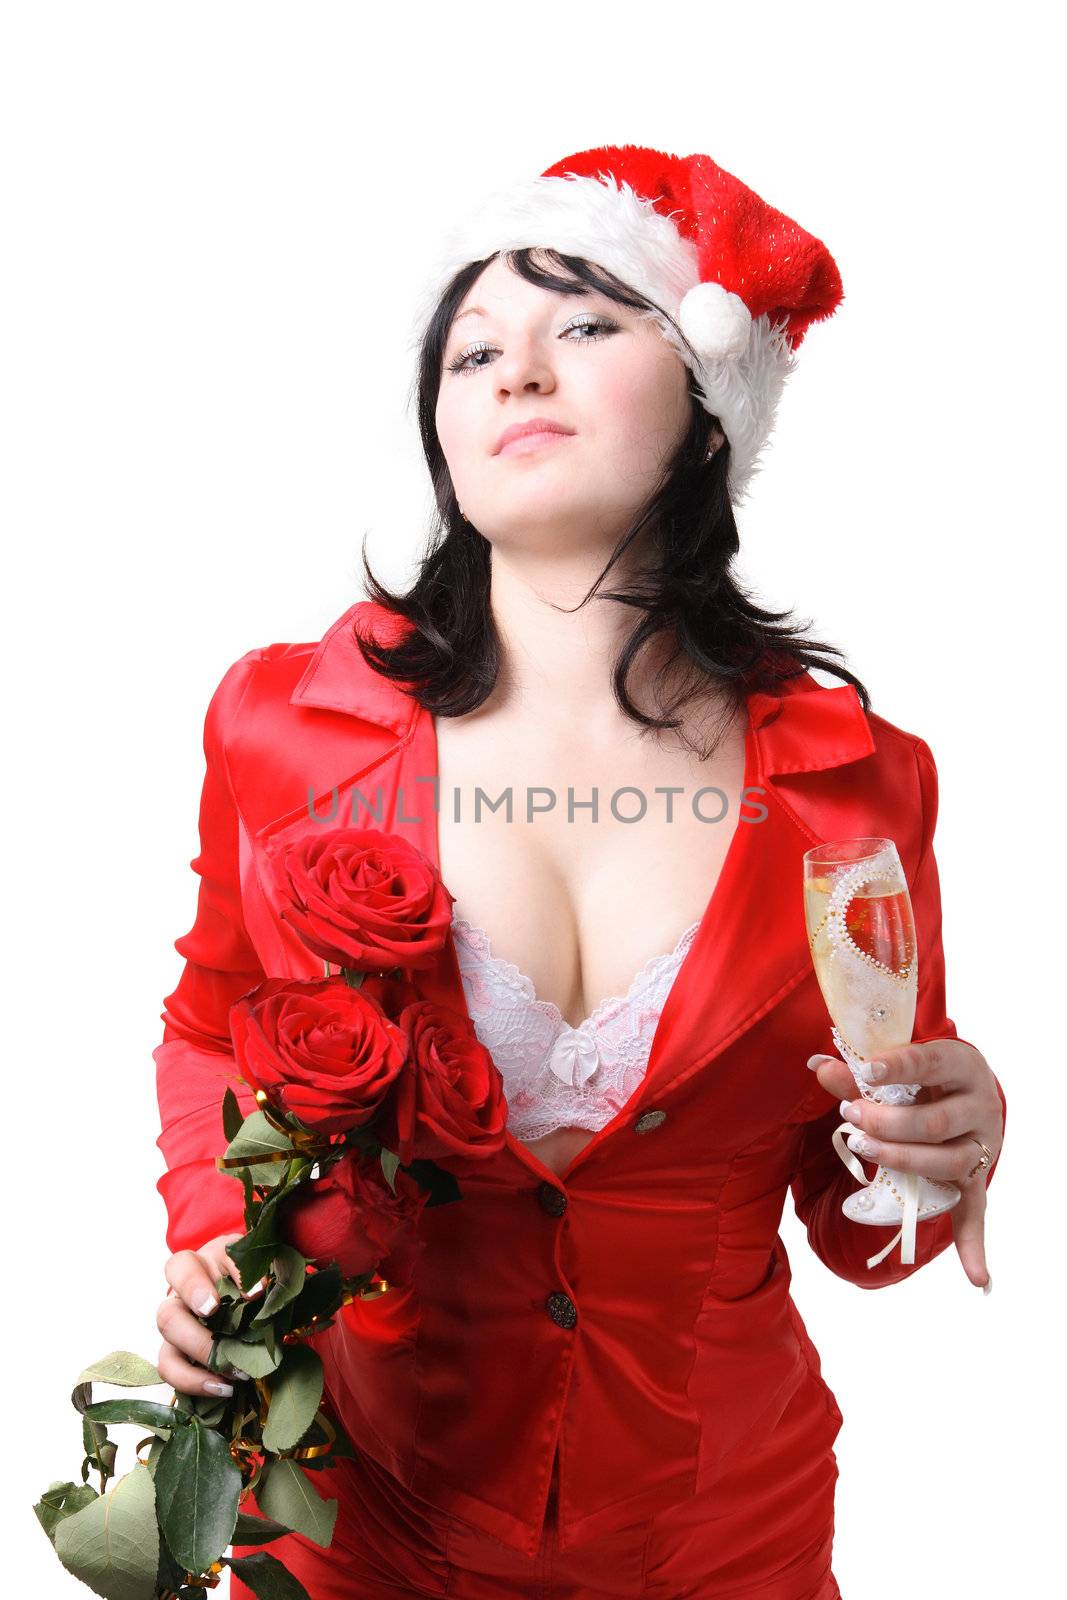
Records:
x=597, y=1384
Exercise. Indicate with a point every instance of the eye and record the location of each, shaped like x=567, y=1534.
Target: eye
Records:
x=589, y=326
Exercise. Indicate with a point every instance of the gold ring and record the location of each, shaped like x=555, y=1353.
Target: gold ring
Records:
x=986, y=1159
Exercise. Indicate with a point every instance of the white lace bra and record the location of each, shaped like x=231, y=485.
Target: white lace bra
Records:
x=556, y=1075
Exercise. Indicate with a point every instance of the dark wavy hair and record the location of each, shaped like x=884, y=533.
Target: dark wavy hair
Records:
x=715, y=634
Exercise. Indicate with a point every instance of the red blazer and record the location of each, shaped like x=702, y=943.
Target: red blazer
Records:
x=684, y=1345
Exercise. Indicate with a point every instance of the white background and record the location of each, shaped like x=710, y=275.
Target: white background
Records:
x=214, y=217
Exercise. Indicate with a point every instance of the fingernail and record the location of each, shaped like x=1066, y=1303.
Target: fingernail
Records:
x=207, y=1305
x=987, y=1287
x=214, y=1387
x=878, y=1070
x=814, y=1061
x=850, y=1111
x=257, y=1288
x=238, y=1373
x=862, y=1146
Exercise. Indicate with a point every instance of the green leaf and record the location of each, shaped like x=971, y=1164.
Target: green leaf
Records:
x=255, y=1359
x=112, y=1544
x=253, y=1254
x=198, y=1485
x=320, y=1295
x=147, y=1412
x=268, y=1332
x=99, y=1450
x=390, y=1162
x=290, y=1269
x=250, y=1194
x=170, y=1576
x=94, y=1434
x=258, y=1137
x=62, y=1500
x=211, y=1410
x=316, y=1434
x=286, y=1494
x=232, y=1115
x=228, y=1320
x=296, y=1391
x=123, y=1368
x=153, y=1451
x=266, y=1577
x=257, y=1530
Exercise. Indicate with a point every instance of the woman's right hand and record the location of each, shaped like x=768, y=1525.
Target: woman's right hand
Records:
x=186, y=1347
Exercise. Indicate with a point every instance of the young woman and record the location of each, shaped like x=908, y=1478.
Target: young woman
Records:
x=597, y=1383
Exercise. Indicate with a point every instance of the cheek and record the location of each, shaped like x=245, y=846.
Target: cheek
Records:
x=456, y=430
x=445, y=421
x=647, y=427
x=645, y=412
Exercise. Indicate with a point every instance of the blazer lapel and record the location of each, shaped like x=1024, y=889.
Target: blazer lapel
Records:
x=751, y=949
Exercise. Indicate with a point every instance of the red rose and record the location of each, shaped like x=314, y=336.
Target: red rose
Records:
x=320, y=1049
x=352, y=1216
x=449, y=1098
x=362, y=898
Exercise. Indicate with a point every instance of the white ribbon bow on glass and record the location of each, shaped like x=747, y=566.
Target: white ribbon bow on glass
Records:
x=892, y=1094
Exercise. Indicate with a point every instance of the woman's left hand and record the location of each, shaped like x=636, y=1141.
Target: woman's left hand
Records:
x=957, y=1103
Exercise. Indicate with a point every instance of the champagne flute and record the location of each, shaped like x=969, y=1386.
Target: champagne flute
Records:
x=861, y=932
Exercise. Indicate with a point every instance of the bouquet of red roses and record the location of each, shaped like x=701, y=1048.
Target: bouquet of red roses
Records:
x=362, y=1085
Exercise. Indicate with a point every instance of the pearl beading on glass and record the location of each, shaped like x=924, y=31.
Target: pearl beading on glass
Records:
x=864, y=1200
x=846, y=886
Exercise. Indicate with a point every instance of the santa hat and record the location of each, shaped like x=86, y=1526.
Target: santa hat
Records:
x=741, y=280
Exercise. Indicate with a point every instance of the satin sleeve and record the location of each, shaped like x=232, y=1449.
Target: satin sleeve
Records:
x=820, y=1180
x=195, y=1062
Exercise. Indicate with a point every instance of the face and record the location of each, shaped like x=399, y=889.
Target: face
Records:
x=516, y=353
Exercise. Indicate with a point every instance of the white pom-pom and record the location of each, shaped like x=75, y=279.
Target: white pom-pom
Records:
x=716, y=322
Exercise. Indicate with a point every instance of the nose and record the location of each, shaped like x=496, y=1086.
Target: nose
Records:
x=523, y=367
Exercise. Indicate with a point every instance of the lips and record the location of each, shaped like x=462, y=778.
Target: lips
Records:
x=519, y=430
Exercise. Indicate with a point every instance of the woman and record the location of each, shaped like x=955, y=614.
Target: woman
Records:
x=596, y=1383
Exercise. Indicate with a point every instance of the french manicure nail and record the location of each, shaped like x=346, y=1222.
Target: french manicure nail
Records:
x=987, y=1287
x=861, y=1145
x=239, y=1373
x=878, y=1070
x=213, y=1386
x=257, y=1288
x=207, y=1305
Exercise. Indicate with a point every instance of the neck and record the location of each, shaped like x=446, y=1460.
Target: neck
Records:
x=558, y=662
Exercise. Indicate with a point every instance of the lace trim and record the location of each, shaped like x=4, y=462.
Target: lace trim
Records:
x=478, y=940
x=557, y=1075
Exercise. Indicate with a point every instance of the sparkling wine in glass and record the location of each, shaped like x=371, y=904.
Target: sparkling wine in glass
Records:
x=861, y=932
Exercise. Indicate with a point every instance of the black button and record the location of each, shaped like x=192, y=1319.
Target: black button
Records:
x=649, y=1120
x=553, y=1200
x=561, y=1309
